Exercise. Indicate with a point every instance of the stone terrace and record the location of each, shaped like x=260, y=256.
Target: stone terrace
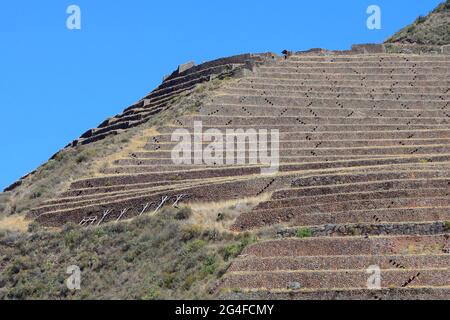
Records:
x=364, y=171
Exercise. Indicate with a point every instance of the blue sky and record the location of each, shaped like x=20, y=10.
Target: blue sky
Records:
x=56, y=83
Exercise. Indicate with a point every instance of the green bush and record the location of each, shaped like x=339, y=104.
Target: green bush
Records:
x=231, y=251
x=447, y=225
x=189, y=232
x=33, y=227
x=421, y=19
x=209, y=266
x=183, y=214
x=195, y=245
x=303, y=233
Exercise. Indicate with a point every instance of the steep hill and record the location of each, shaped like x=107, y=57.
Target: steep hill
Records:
x=433, y=29
x=362, y=184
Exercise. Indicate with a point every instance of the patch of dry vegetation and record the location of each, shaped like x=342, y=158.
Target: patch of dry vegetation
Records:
x=14, y=223
x=221, y=215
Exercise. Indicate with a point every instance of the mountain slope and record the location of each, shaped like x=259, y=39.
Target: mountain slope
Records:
x=363, y=181
x=434, y=29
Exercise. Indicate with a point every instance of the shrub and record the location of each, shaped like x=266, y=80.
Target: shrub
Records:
x=183, y=214
x=189, y=232
x=72, y=238
x=421, y=19
x=33, y=227
x=209, y=266
x=231, y=251
x=195, y=245
x=36, y=194
x=447, y=225
x=152, y=294
x=81, y=158
x=303, y=233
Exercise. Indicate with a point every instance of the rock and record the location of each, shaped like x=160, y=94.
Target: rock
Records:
x=185, y=66
x=294, y=286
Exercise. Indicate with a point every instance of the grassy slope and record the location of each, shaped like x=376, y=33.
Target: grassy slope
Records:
x=434, y=29
x=151, y=257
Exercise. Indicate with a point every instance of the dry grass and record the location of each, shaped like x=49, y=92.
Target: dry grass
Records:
x=14, y=223
x=135, y=143
x=221, y=215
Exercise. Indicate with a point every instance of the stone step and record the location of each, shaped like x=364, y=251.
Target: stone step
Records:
x=338, y=279
x=291, y=111
x=311, y=162
x=408, y=293
x=426, y=192
x=155, y=166
x=369, y=58
x=359, y=64
x=337, y=95
x=340, y=135
x=348, y=246
x=398, y=88
x=74, y=194
x=163, y=147
x=289, y=263
x=371, y=174
x=312, y=119
x=366, y=186
x=263, y=218
x=121, y=194
x=349, y=76
x=252, y=155
x=308, y=128
x=370, y=229
x=363, y=83
x=360, y=70
x=373, y=216
x=138, y=166
x=272, y=101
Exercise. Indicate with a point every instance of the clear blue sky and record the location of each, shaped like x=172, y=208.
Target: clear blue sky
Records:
x=56, y=83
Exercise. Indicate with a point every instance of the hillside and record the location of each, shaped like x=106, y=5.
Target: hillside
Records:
x=147, y=258
x=359, y=176
x=433, y=29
